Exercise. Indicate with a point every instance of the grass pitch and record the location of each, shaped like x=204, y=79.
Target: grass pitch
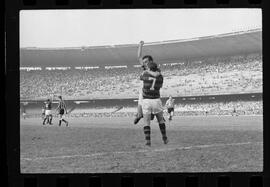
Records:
x=115, y=145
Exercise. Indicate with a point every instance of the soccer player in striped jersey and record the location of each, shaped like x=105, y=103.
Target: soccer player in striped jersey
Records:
x=61, y=108
x=143, y=62
x=151, y=103
x=170, y=107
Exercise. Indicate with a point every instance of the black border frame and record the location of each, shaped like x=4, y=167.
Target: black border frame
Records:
x=11, y=130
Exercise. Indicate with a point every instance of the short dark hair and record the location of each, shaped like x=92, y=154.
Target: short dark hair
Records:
x=60, y=97
x=152, y=66
x=150, y=58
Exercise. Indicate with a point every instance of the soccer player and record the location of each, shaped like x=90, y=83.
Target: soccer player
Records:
x=48, y=112
x=23, y=111
x=143, y=62
x=170, y=107
x=24, y=115
x=151, y=103
x=234, y=113
x=61, y=108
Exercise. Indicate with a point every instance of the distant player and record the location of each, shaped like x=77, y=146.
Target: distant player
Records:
x=170, y=107
x=24, y=115
x=23, y=110
x=48, y=112
x=143, y=62
x=151, y=103
x=234, y=113
x=61, y=108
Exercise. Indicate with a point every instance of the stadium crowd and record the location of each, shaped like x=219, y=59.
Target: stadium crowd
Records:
x=215, y=75
x=252, y=107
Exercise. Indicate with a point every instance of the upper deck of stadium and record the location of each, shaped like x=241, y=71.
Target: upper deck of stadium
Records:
x=241, y=42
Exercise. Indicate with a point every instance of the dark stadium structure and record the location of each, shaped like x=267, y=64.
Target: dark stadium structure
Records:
x=163, y=52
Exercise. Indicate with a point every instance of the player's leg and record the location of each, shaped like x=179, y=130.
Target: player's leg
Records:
x=162, y=127
x=147, y=118
x=139, y=114
x=62, y=117
x=45, y=119
x=66, y=122
x=51, y=117
x=171, y=113
x=152, y=116
x=158, y=110
x=147, y=128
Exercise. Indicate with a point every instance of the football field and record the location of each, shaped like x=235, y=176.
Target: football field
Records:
x=116, y=145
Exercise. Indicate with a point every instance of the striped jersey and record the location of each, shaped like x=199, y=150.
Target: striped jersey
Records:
x=170, y=103
x=48, y=105
x=151, y=85
x=61, y=105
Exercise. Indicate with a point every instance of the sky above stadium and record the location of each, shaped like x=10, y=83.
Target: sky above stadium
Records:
x=77, y=28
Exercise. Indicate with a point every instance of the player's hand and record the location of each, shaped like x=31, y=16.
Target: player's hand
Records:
x=141, y=42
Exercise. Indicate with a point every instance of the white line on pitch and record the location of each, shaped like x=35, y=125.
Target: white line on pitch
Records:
x=140, y=151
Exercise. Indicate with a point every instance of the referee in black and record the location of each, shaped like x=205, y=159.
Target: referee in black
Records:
x=61, y=108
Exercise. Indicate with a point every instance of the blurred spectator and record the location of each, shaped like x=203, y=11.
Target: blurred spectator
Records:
x=185, y=109
x=213, y=75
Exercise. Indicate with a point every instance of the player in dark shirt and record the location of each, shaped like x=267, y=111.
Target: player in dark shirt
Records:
x=48, y=112
x=143, y=62
x=151, y=103
x=151, y=85
x=61, y=111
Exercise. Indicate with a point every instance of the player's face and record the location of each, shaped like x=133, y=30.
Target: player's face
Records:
x=145, y=61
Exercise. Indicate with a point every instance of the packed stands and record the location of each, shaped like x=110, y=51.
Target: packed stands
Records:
x=205, y=76
x=251, y=107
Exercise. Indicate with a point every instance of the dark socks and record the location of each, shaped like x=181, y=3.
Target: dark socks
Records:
x=162, y=128
x=50, y=119
x=44, y=120
x=147, y=131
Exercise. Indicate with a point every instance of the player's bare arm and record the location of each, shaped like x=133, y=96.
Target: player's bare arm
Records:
x=153, y=73
x=140, y=52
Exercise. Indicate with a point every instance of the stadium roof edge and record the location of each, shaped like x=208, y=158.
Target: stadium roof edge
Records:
x=147, y=44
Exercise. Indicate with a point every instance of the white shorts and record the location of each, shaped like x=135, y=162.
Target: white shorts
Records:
x=48, y=112
x=153, y=106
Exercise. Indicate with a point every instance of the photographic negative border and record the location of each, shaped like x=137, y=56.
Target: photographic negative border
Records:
x=11, y=129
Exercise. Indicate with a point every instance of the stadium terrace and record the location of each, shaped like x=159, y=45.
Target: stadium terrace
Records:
x=165, y=51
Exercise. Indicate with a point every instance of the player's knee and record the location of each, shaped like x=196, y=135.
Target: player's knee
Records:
x=160, y=118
